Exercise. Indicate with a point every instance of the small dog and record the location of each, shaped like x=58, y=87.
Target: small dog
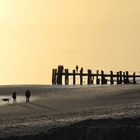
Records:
x=5, y=100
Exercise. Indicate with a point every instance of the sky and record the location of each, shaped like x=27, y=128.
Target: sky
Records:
x=38, y=35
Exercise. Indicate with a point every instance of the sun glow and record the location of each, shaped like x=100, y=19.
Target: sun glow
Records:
x=3, y=10
x=38, y=35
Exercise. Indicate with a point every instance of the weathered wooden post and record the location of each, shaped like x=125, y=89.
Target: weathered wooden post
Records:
x=66, y=76
x=103, y=80
x=97, y=78
x=120, y=77
x=118, y=81
x=59, y=74
x=56, y=75
x=81, y=76
x=134, y=78
x=92, y=79
x=89, y=80
x=111, y=78
x=127, y=77
x=102, y=77
x=124, y=78
x=53, y=76
x=74, y=78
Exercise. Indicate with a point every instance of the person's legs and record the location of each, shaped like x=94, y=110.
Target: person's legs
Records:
x=14, y=100
x=26, y=99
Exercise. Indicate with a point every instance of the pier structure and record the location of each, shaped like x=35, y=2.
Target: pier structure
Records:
x=93, y=77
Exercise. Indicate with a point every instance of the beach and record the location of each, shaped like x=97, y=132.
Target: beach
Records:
x=54, y=107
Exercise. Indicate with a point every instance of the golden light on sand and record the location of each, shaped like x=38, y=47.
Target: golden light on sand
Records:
x=38, y=35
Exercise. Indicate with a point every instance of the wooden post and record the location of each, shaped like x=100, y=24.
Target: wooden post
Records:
x=59, y=75
x=127, y=77
x=124, y=78
x=74, y=78
x=134, y=78
x=92, y=79
x=102, y=77
x=53, y=77
x=81, y=76
x=66, y=76
x=118, y=82
x=111, y=78
x=97, y=78
x=89, y=77
x=120, y=77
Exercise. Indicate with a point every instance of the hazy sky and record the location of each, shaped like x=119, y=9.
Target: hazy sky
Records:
x=38, y=35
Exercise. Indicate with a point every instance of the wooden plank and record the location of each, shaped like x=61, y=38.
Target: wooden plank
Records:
x=106, y=75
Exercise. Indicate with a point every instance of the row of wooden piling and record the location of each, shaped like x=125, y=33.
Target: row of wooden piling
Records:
x=92, y=78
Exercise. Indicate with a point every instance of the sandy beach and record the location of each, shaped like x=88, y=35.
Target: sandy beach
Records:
x=57, y=106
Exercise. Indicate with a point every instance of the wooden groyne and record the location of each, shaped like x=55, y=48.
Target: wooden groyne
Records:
x=98, y=77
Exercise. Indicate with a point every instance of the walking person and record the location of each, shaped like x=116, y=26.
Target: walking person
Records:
x=14, y=96
x=27, y=94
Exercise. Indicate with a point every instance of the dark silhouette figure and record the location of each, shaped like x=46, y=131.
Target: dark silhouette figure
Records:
x=77, y=68
x=27, y=94
x=14, y=96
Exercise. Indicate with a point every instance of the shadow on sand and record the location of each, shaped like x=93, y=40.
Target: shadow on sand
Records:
x=44, y=107
x=28, y=107
x=36, y=107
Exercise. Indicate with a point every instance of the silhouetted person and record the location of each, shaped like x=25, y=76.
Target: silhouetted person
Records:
x=14, y=96
x=27, y=94
x=77, y=68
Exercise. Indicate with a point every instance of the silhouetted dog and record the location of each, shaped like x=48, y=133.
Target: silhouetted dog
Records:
x=5, y=100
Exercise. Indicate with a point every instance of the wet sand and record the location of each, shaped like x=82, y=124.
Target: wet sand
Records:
x=98, y=129
x=60, y=106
